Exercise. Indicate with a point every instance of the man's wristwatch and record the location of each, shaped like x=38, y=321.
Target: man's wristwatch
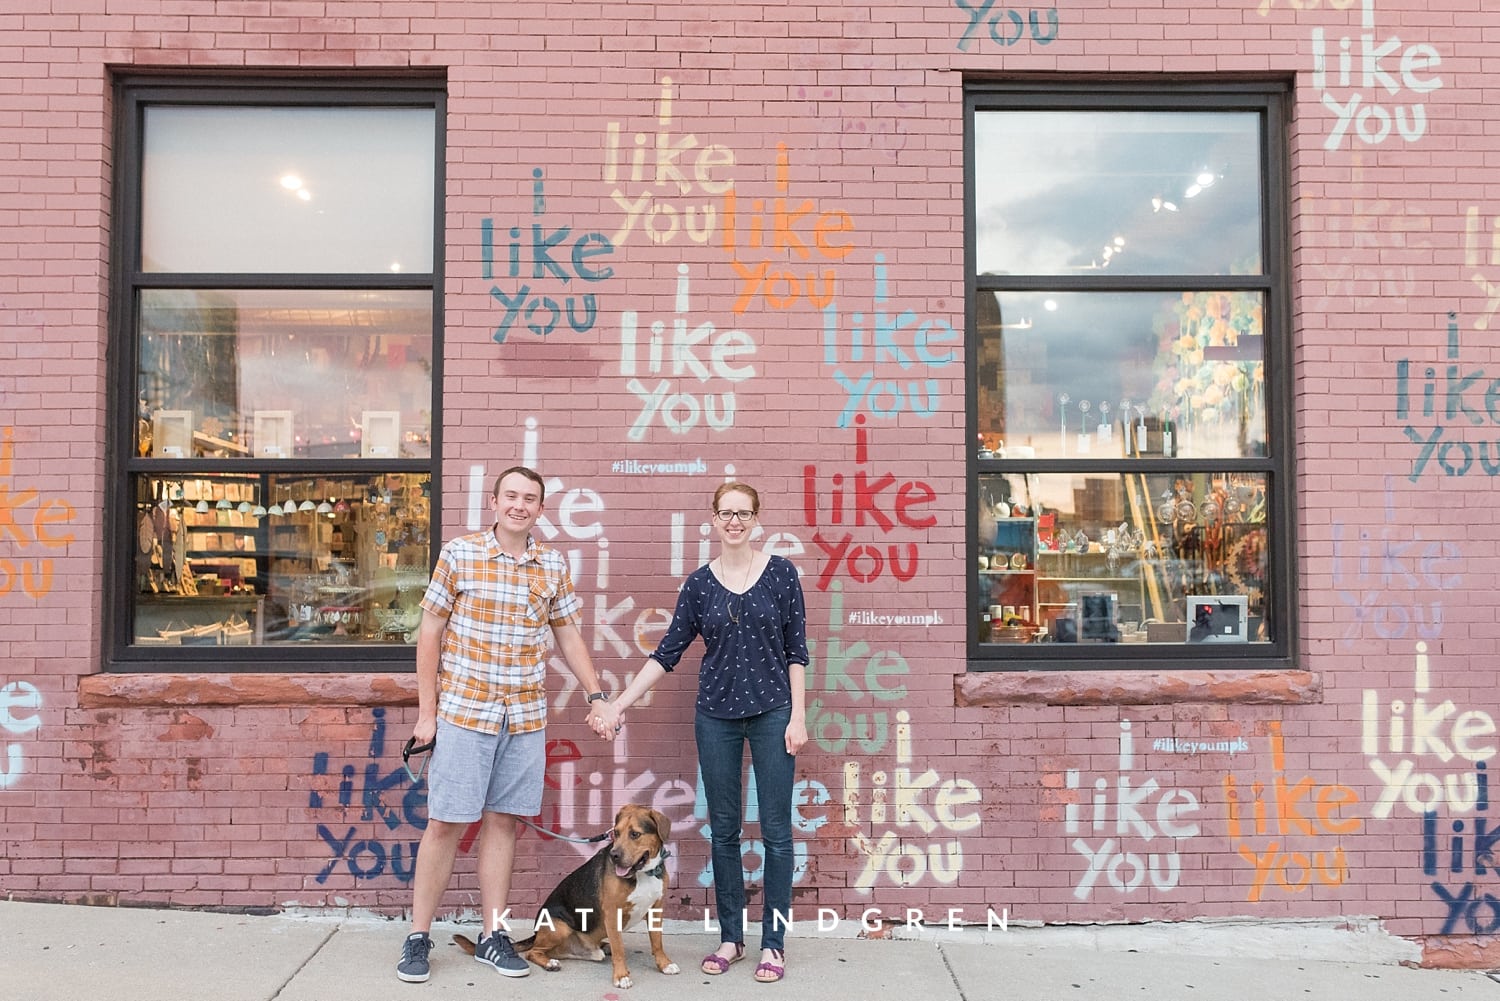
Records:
x=599, y=697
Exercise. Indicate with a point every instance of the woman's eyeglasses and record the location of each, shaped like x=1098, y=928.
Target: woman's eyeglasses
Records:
x=741, y=516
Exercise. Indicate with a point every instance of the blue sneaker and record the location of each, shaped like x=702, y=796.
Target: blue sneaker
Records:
x=498, y=952
x=414, y=967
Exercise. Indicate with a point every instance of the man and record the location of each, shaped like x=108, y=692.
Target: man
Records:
x=481, y=664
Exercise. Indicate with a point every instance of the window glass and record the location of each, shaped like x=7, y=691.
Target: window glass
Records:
x=286, y=189
x=1116, y=374
x=1123, y=558
x=281, y=373
x=1139, y=193
x=264, y=559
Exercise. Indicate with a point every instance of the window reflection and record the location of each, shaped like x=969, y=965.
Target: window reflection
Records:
x=285, y=189
x=1121, y=374
x=278, y=374
x=1139, y=193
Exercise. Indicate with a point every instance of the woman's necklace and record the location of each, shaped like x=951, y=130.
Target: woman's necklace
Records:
x=729, y=608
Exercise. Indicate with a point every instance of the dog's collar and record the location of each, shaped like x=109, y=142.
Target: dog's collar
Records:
x=660, y=869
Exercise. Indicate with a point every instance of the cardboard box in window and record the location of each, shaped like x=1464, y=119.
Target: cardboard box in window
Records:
x=1164, y=632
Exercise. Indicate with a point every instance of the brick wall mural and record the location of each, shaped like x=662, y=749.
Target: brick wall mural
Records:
x=699, y=246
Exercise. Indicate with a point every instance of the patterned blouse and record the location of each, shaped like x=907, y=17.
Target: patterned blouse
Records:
x=751, y=639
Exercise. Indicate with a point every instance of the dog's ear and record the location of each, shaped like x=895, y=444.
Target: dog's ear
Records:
x=663, y=826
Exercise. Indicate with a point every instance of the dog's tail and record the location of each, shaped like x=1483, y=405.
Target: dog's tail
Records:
x=467, y=946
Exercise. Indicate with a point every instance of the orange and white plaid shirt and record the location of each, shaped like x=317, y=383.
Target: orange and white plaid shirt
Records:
x=500, y=613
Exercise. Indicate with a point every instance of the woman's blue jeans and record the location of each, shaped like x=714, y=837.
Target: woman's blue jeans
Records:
x=721, y=757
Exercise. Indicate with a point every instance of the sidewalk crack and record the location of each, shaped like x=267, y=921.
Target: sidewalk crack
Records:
x=303, y=965
x=951, y=974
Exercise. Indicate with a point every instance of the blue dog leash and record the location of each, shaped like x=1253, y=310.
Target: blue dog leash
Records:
x=604, y=836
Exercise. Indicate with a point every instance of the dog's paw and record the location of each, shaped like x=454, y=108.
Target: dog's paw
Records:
x=671, y=968
x=625, y=982
x=552, y=966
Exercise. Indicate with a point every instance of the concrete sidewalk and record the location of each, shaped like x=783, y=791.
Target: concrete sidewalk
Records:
x=53, y=952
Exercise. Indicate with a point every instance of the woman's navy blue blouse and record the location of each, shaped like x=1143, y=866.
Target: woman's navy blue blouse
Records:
x=745, y=669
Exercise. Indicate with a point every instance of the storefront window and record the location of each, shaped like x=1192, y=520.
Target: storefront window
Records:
x=1130, y=458
x=278, y=316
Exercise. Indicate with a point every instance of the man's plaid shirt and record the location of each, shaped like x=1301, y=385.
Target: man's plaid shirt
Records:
x=500, y=613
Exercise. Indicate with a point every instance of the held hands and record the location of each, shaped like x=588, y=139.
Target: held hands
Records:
x=605, y=719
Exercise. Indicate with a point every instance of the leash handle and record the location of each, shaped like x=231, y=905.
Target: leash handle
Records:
x=412, y=747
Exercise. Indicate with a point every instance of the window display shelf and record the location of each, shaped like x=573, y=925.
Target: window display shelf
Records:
x=1007, y=610
x=198, y=620
x=1066, y=581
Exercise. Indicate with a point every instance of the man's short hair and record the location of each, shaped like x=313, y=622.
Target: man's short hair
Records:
x=526, y=471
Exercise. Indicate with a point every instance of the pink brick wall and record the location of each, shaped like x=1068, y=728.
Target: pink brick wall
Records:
x=159, y=799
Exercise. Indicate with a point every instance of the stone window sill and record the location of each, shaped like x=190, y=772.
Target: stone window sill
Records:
x=1135, y=688
x=102, y=691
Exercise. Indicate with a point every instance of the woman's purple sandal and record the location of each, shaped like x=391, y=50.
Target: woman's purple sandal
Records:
x=714, y=964
x=770, y=973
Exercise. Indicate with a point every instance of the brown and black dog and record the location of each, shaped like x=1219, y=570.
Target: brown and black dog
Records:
x=623, y=883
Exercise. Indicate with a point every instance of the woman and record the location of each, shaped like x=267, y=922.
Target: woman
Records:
x=748, y=607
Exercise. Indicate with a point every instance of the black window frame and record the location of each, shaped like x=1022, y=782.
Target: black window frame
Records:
x=1268, y=98
x=133, y=93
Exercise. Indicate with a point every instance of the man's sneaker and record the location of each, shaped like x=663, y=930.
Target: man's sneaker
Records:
x=497, y=951
x=413, y=967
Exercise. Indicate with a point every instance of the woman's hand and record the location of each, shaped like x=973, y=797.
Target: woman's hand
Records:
x=796, y=734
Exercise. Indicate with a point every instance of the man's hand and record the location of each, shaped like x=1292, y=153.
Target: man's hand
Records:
x=605, y=719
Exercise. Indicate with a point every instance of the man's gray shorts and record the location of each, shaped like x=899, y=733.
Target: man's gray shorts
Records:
x=472, y=773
